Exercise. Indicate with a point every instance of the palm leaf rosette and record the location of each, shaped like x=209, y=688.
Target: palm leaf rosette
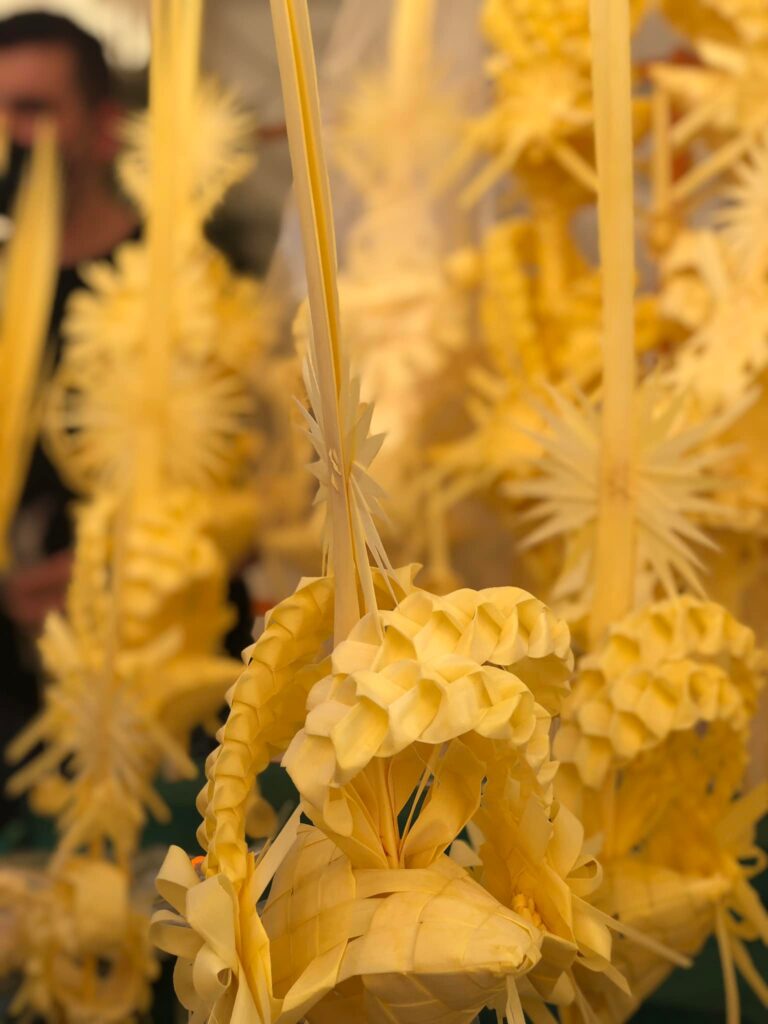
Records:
x=653, y=745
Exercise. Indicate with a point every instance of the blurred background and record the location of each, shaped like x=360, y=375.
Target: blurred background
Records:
x=238, y=48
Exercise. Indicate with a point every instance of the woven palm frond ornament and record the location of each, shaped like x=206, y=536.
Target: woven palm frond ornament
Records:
x=400, y=311
x=707, y=223
x=390, y=707
x=538, y=441
x=715, y=296
x=667, y=688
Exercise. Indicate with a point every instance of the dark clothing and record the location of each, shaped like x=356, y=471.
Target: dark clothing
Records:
x=46, y=497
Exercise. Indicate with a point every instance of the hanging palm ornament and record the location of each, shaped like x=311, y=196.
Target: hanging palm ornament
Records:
x=402, y=718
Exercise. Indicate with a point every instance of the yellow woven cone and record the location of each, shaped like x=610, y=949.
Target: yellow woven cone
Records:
x=505, y=660
x=462, y=944
x=432, y=676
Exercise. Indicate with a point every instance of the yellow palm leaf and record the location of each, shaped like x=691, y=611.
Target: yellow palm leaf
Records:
x=334, y=411
x=28, y=291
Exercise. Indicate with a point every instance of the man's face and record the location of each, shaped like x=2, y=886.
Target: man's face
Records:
x=40, y=79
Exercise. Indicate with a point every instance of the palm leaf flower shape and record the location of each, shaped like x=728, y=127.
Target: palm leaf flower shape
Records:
x=390, y=707
x=675, y=476
x=653, y=736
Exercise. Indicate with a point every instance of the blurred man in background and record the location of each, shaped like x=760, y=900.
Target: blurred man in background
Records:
x=51, y=67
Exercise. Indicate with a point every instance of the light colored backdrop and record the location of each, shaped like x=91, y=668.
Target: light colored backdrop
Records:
x=239, y=48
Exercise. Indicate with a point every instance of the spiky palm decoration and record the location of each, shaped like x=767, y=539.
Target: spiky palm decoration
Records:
x=536, y=292
x=403, y=309
x=674, y=479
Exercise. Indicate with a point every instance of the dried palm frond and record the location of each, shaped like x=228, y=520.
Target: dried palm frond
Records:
x=29, y=280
